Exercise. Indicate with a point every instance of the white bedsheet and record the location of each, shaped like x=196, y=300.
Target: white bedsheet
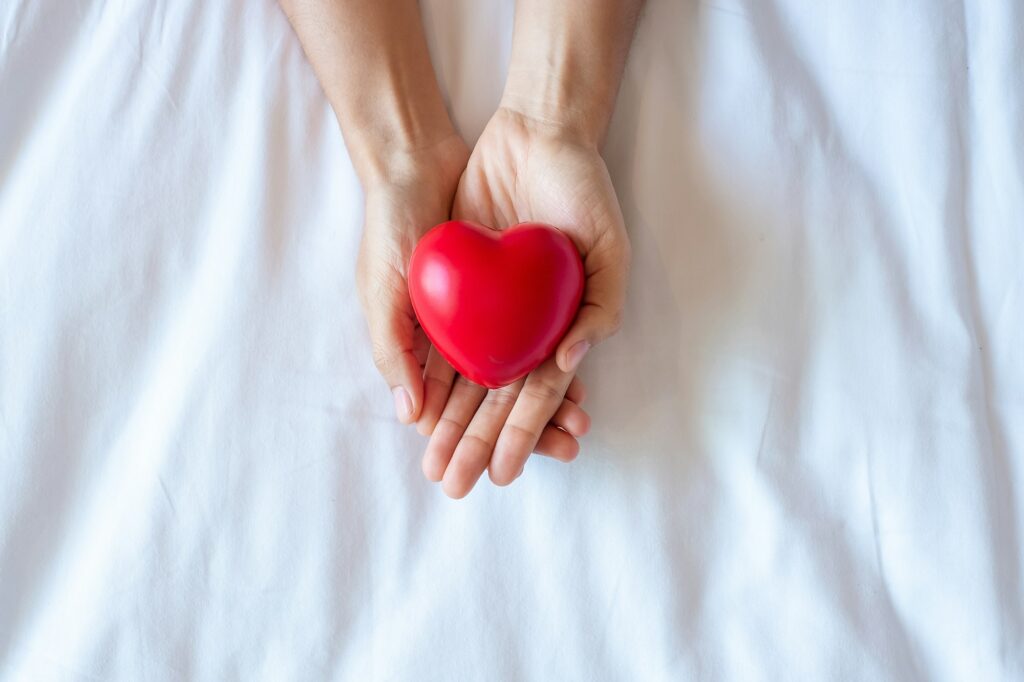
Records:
x=807, y=459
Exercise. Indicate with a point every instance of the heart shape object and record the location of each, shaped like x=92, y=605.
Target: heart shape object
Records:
x=495, y=303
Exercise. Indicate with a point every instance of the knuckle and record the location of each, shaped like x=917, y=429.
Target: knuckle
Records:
x=542, y=391
x=502, y=398
x=478, y=446
x=451, y=423
x=439, y=382
x=463, y=381
x=614, y=321
x=525, y=435
x=383, y=358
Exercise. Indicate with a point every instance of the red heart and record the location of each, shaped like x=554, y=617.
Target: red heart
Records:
x=495, y=303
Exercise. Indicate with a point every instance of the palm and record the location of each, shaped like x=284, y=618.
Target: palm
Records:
x=416, y=195
x=520, y=171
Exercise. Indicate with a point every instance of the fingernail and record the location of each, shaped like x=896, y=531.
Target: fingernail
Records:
x=403, y=404
x=575, y=355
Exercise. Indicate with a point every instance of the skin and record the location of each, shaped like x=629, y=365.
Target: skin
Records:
x=537, y=160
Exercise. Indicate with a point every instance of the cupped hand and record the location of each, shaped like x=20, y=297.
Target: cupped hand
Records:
x=525, y=169
x=412, y=192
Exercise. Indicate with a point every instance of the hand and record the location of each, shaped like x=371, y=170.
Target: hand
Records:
x=537, y=160
x=372, y=61
x=528, y=169
x=414, y=194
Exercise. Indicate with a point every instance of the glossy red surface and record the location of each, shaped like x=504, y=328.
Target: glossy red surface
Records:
x=495, y=303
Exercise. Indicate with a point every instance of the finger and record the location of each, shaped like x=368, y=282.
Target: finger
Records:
x=438, y=376
x=420, y=345
x=557, y=444
x=607, y=270
x=572, y=418
x=462, y=403
x=540, y=398
x=576, y=391
x=393, y=337
x=474, y=450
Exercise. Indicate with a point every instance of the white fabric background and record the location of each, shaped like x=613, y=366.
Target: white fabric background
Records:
x=808, y=452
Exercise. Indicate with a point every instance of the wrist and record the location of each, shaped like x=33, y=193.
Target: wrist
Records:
x=552, y=98
x=567, y=61
x=389, y=151
x=436, y=163
x=395, y=120
x=374, y=66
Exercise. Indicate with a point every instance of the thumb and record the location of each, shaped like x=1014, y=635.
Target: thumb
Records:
x=392, y=333
x=600, y=314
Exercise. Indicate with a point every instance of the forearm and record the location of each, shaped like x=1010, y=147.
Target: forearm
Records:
x=567, y=61
x=372, y=62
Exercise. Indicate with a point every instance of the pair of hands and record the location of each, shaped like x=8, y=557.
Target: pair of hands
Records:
x=523, y=168
x=537, y=160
